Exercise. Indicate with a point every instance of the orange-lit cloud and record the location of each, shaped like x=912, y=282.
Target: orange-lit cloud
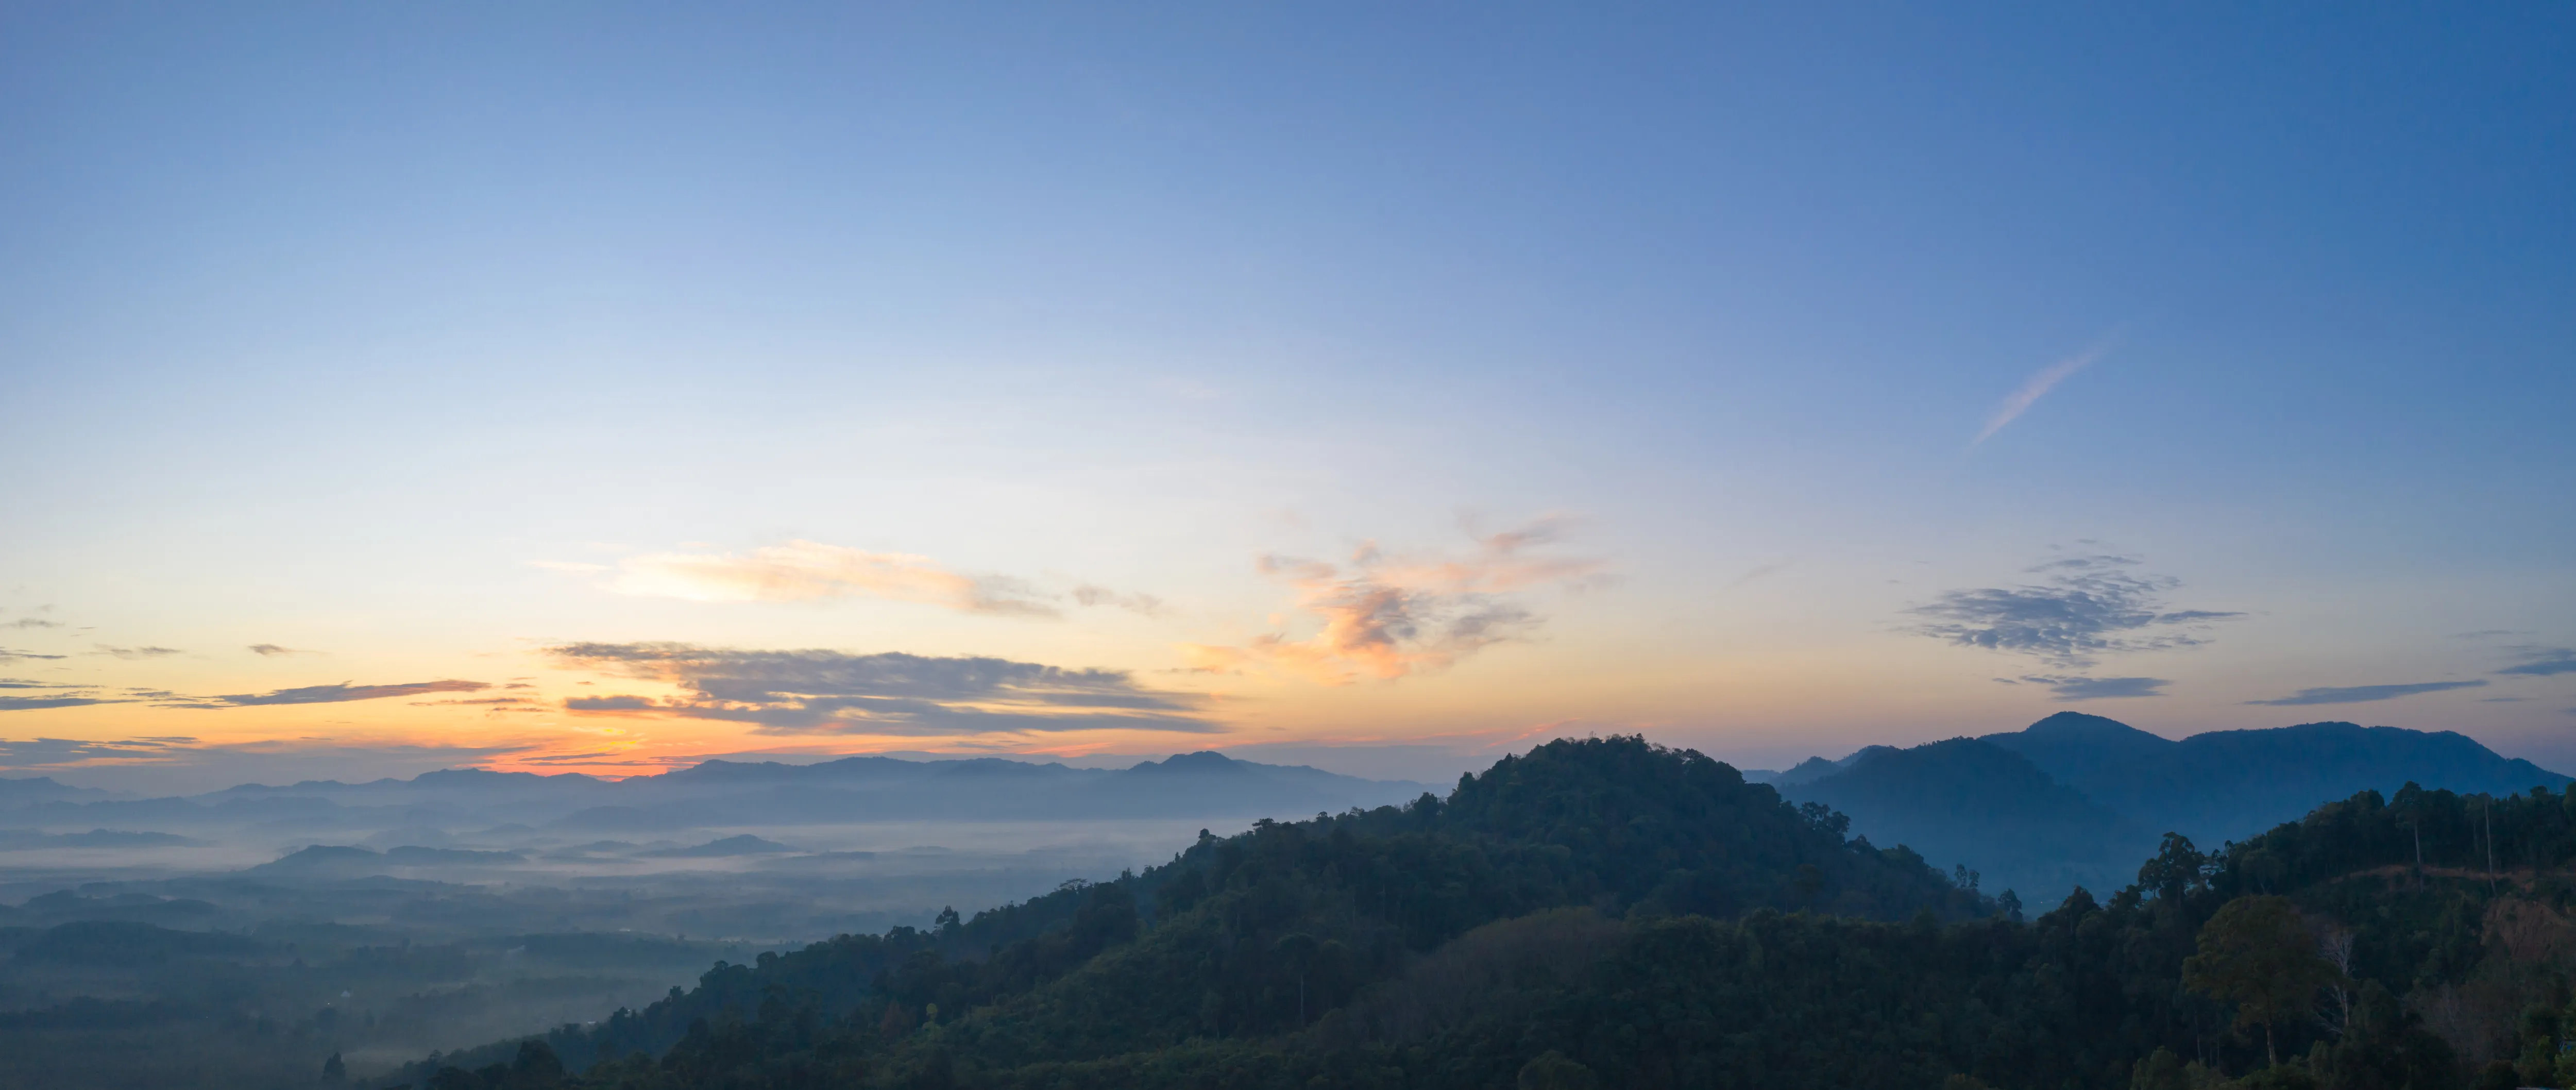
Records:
x=803, y=571
x=1385, y=617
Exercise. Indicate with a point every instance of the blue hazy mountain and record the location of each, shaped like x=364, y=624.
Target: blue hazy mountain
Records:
x=1969, y=801
x=2231, y=784
x=432, y=809
x=2078, y=799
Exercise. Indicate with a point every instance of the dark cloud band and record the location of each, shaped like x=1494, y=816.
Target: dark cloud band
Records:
x=820, y=691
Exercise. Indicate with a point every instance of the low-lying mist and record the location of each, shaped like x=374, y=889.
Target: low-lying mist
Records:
x=259, y=930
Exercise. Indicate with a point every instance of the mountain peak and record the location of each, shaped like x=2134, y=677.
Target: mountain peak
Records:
x=1203, y=761
x=2078, y=724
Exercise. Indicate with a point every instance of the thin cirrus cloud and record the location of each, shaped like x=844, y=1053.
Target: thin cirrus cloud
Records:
x=146, y=652
x=270, y=650
x=808, y=571
x=56, y=700
x=2035, y=387
x=32, y=622
x=7, y=655
x=2088, y=606
x=2364, y=694
x=817, y=691
x=326, y=694
x=2073, y=688
x=2543, y=662
x=1384, y=617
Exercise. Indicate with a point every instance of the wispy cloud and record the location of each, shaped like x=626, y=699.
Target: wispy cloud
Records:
x=2035, y=387
x=139, y=652
x=2090, y=605
x=2073, y=688
x=1142, y=604
x=32, y=622
x=60, y=700
x=2364, y=694
x=889, y=693
x=1381, y=616
x=1759, y=573
x=7, y=655
x=270, y=650
x=331, y=694
x=804, y=571
x=2543, y=662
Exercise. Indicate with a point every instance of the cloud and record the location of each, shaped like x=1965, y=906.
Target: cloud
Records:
x=2363, y=694
x=1385, y=617
x=1759, y=573
x=2098, y=688
x=2035, y=387
x=805, y=571
x=1144, y=604
x=2091, y=605
x=334, y=694
x=270, y=650
x=2504, y=700
x=2543, y=662
x=7, y=654
x=31, y=703
x=889, y=693
x=32, y=622
x=491, y=705
x=138, y=652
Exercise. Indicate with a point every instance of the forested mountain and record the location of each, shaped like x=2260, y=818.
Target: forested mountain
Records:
x=2074, y=799
x=2227, y=784
x=1607, y=913
x=1968, y=802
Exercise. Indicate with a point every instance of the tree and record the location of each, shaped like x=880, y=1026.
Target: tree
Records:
x=1553, y=1071
x=2334, y=944
x=2257, y=953
x=334, y=1072
x=1298, y=950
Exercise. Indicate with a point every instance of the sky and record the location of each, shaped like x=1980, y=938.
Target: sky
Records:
x=599, y=387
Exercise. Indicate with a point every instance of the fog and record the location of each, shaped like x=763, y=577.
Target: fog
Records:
x=390, y=919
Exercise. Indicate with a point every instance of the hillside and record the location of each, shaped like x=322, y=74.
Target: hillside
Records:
x=1223, y=939
x=2074, y=799
x=1498, y=938
x=2224, y=785
x=1970, y=802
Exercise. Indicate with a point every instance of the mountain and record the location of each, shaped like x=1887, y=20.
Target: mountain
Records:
x=22, y=790
x=2076, y=799
x=1814, y=768
x=2075, y=747
x=2227, y=785
x=1605, y=914
x=1969, y=801
x=473, y=806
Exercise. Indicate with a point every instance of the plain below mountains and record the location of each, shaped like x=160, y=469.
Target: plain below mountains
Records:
x=2077, y=799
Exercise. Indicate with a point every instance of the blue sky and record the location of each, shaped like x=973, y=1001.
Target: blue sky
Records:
x=420, y=339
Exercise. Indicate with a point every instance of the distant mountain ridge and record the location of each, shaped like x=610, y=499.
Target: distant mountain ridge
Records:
x=466, y=808
x=2076, y=799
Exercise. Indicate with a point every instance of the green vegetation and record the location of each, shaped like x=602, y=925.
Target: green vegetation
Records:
x=1609, y=913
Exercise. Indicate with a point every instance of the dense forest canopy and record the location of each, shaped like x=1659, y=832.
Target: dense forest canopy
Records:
x=1605, y=912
